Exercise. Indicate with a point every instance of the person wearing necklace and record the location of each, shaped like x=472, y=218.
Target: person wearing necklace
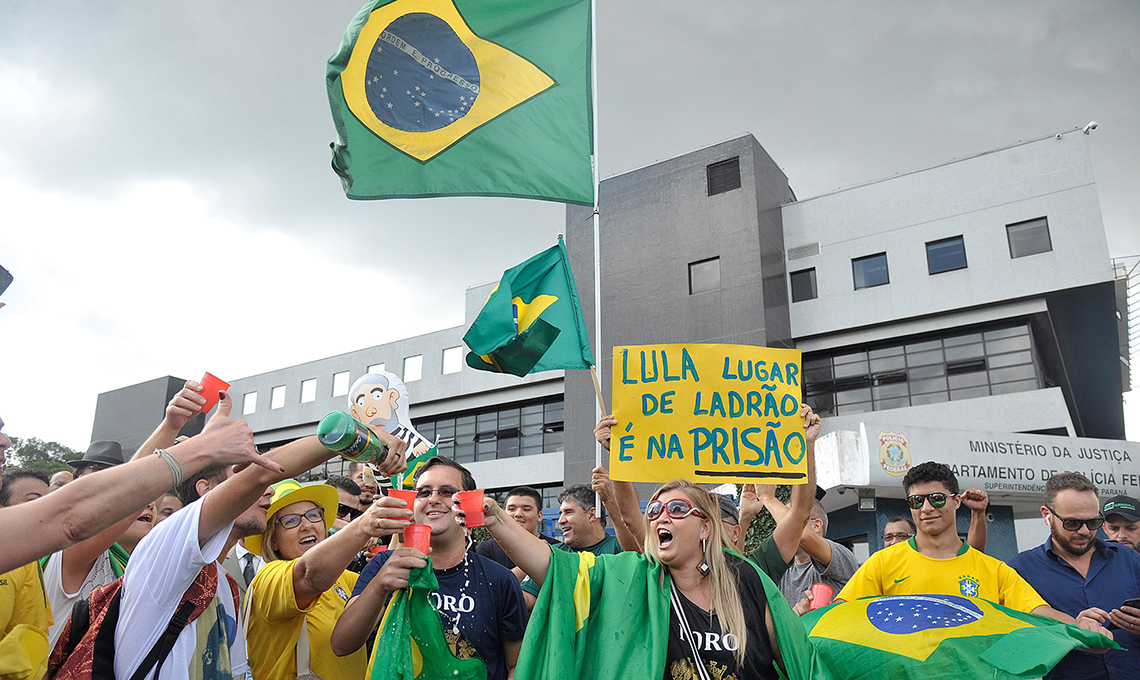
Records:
x=479, y=601
x=688, y=607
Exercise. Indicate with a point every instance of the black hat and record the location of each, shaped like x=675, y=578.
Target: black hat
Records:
x=728, y=509
x=1125, y=506
x=100, y=453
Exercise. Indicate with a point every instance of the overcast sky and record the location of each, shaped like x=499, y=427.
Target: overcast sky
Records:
x=167, y=206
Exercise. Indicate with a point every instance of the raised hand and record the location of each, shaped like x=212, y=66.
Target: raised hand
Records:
x=230, y=442
x=184, y=406
x=812, y=423
x=394, y=463
x=602, y=485
x=386, y=516
x=976, y=500
x=602, y=431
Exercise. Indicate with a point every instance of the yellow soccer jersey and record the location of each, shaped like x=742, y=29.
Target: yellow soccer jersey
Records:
x=22, y=602
x=902, y=570
x=275, y=624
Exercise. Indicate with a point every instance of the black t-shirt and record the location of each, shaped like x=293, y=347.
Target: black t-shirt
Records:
x=717, y=650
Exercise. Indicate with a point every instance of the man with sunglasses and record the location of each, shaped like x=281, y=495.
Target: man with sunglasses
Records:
x=1085, y=577
x=348, y=502
x=479, y=601
x=936, y=561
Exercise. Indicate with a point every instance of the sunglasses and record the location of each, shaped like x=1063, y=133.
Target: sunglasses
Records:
x=678, y=508
x=896, y=537
x=343, y=510
x=937, y=500
x=1076, y=524
x=292, y=521
x=445, y=492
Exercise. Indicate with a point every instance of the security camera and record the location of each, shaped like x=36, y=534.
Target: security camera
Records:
x=1058, y=135
x=1090, y=127
x=990, y=517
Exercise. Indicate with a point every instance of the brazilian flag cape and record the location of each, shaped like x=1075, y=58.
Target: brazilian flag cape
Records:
x=411, y=645
x=933, y=637
x=532, y=321
x=607, y=618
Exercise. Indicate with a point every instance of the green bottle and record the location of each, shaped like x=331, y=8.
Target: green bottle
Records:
x=340, y=432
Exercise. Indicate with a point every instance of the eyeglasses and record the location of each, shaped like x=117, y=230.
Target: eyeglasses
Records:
x=343, y=510
x=936, y=500
x=445, y=492
x=897, y=538
x=1076, y=524
x=292, y=521
x=678, y=508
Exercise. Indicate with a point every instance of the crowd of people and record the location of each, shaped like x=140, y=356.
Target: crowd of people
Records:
x=201, y=558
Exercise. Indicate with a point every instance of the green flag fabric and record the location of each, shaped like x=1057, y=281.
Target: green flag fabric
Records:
x=606, y=617
x=465, y=98
x=532, y=321
x=935, y=637
x=411, y=645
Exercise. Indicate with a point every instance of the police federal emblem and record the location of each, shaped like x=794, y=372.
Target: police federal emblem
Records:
x=894, y=455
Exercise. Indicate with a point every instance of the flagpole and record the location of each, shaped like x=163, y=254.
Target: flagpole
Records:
x=600, y=407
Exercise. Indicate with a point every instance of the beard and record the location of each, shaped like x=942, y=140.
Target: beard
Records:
x=1068, y=546
x=246, y=526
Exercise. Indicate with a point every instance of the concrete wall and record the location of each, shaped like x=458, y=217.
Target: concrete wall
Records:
x=655, y=221
x=974, y=197
x=128, y=415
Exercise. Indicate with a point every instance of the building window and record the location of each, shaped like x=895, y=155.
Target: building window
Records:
x=308, y=390
x=803, y=285
x=704, y=276
x=870, y=271
x=249, y=403
x=277, y=397
x=376, y=368
x=724, y=176
x=946, y=255
x=521, y=429
x=340, y=384
x=452, y=360
x=1028, y=238
x=413, y=368
x=964, y=365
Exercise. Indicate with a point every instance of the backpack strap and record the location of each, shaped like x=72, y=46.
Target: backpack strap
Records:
x=79, y=623
x=161, y=649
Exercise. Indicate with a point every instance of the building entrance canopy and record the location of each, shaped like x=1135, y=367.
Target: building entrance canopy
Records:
x=1011, y=468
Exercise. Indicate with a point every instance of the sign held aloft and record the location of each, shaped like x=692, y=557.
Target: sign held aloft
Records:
x=707, y=413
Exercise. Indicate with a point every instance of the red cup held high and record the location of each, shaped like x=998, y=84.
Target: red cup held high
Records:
x=418, y=536
x=471, y=502
x=211, y=385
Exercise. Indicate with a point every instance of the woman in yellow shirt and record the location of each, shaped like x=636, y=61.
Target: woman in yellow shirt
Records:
x=294, y=602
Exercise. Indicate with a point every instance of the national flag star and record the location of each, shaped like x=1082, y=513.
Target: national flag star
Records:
x=395, y=72
x=383, y=89
x=389, y=104
x=417, y=103
x=437, y=114
x=407, y=91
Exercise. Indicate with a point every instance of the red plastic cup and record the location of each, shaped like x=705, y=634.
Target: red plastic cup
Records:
x=377, y=549
x=418, y=536
x=406, y=495
x=821, y=595
x=211, y=385
x=471, y=502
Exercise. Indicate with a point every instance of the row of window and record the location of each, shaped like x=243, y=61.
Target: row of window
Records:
x=929, y=371
x=1025, y=238
x=341, y=382
x=522, y=429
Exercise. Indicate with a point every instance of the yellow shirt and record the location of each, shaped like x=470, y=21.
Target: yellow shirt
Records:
x=902, y=570
x=23, y=602
x=275, y=624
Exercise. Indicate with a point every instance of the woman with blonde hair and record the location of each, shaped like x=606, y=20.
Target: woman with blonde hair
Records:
x=293, y=604
x=689, y=607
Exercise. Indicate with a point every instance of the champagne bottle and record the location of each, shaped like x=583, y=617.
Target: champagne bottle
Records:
x=340, y=432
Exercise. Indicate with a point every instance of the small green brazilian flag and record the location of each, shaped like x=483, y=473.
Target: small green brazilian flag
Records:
x=465, y=98
x=532, y=321
x=410, y=644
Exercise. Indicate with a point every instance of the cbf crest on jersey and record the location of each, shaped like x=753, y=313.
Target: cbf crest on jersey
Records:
x=969, y=586
x=894, y=455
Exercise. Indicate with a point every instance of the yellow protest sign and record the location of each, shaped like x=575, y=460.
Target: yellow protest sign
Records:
x=707, y=413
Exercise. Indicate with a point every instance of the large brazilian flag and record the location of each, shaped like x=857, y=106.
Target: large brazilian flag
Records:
x=465, y=97
x=934, y=637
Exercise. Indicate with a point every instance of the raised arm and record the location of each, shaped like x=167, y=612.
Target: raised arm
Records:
x=605, y=488
x=236, y=494
x=318, y=569
x=977, y=501
x=181, y=409
x=626, y=509
x=529, y=552
x=790, y=527
x=94, y=502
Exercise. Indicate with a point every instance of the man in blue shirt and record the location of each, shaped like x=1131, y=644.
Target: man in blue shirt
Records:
x=1085, y=577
